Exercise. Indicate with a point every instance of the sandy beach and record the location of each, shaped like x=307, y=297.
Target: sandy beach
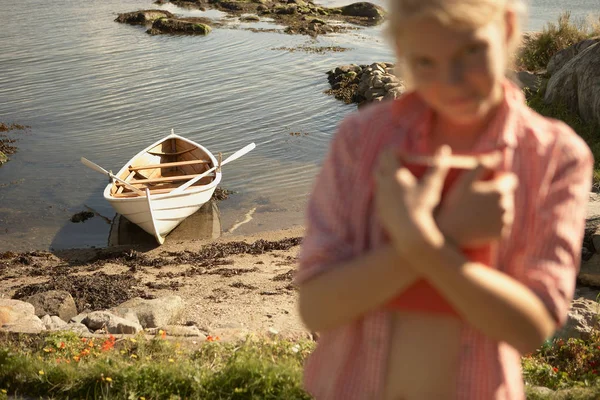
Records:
x=231, y=286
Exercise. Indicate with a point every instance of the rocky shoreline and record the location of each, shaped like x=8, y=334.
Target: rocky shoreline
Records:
x=226, y=288
x=7, y=146
x=303, y=17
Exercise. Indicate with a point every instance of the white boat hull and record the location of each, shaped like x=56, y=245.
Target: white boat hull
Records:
x=163, y=212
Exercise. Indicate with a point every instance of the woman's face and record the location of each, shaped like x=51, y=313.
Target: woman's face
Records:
x=458, y=72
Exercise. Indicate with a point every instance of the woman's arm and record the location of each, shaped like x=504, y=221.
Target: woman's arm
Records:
x=491, y=301
x=350, y=289
x=526, y=302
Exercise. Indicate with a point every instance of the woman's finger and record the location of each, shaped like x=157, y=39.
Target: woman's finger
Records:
x=433, y=180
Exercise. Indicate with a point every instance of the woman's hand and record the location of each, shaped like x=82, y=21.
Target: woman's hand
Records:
x=475, y=211
x=405, y=205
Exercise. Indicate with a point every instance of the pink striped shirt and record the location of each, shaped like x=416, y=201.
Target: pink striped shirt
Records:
x=554, y=167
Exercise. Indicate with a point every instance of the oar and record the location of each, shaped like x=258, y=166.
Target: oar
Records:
x=98, y=168
x=232, y=157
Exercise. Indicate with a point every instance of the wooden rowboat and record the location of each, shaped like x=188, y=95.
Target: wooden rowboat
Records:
x=156, y=171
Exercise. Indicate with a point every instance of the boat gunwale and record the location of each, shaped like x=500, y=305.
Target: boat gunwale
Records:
x=191, y=190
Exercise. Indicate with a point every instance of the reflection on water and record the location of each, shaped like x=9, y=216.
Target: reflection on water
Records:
x=91, y=87
x=203, y=224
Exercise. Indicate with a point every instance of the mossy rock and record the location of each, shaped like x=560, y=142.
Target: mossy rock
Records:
x=3, y=158
x=143, y=17
x=173, y=25
x=364, y=9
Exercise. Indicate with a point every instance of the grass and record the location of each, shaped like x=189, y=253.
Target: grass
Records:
x=61, y=365
x=588, y=132
x=539, y=48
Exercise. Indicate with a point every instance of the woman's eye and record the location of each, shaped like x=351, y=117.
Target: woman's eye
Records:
x=474, y=49
x=423, y=62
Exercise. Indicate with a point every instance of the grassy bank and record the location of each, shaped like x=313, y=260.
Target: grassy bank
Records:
x=62, y=365
x=589, y=132
x=538, y=48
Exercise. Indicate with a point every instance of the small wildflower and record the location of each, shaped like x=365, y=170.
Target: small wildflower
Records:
x=163, y=334
x=84, y=340
x=171, y=360
x=134, y=356
x=594, y=372
x=108, y=379
x=61, y=345
x=142, y=398
x=3, y=391
x=132, y=340
x=295, y=348
x=76, y=358
x=41, y=372
x=555, y=369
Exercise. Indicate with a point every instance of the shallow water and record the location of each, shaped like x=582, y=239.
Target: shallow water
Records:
x=91, y=87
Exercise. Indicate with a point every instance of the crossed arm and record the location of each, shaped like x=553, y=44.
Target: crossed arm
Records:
x=527, y=303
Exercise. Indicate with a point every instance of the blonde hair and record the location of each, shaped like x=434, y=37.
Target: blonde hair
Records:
x=467, y=14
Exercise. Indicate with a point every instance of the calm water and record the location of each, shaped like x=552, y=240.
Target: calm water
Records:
x=91, y=87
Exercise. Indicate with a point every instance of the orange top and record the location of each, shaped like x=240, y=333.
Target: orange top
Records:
x=422, y=296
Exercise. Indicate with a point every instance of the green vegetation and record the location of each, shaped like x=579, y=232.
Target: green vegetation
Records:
x=62, y=365
x=588, y=132
x=539, y=48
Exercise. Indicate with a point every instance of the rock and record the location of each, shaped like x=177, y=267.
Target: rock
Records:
x=53, y=323
x=378, y=84
x=577, y=85
x=250, y=18
x=78, y=319
x=79, y=329
x=286, y=10
x=589, y=273
x=113, y=324
x=371, y=93
x=261, y=9
x=54, y=302
x=596, y=238
x=143, y=17
x=390, y=86
x=185, y=331
x=19, y=316
x=390, y=79
x=172, y=25
x=565, y=55
x=364, y=9
x=582, y=319
x=529, y=80
x=394, y=93
x=153, y=313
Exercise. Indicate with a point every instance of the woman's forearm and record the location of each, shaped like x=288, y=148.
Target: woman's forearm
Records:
x=491, y=301
x=346, y=291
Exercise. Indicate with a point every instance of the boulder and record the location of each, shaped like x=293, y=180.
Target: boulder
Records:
x=152, y=313
x=364, y=9
x=529, y=80
x=173, y=25
x=143, y=17
x=53, y=323
x=582, y=319
x=19, y=316
x=565, y=55
x=589, y=272
x=111, y=323
x=577, y=85
x=54, y=302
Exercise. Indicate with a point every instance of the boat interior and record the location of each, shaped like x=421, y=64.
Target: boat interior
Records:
x=163, y=168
